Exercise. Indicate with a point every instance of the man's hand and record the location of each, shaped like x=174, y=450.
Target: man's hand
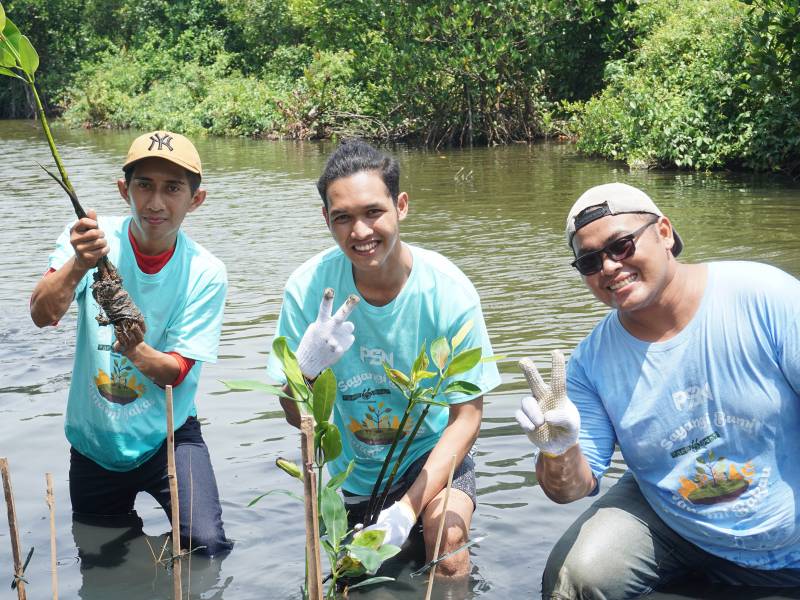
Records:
x=88, y=241
x=128, y=340
x=327, y=338
x=396, y=521
x=549, y=417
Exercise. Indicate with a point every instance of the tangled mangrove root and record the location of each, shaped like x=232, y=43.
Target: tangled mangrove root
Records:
x=117, y=307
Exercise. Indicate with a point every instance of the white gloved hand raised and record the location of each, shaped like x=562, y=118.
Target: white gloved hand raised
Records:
x=549, y=417
x=327, y=338
x=396, y=521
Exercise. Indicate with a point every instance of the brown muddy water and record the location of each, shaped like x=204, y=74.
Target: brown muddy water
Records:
x=497, y=213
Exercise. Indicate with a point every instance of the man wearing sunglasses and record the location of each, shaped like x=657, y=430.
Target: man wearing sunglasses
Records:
x=695, y=375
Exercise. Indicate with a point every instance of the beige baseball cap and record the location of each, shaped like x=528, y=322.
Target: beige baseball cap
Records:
x=167, y=145
x=612, y=199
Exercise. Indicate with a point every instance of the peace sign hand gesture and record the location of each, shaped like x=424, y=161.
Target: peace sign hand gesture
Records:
x=327, y=338
x=549, y=417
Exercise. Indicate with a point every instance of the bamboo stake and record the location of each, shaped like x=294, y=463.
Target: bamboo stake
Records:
x=441, y=526
x=51, y=504
x=12, y=527
x=173, y=498
x=312, y=517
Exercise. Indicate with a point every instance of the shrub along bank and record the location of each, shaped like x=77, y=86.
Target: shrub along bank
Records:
x=671, y=83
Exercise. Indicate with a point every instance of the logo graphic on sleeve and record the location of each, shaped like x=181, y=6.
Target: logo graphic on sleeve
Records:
x=121, y=386
x=378, y=427
x=716, y=480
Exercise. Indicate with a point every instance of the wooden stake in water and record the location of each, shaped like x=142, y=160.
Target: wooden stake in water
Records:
x=312, y=516
x=441, y=525
x=173, y=498
x=51, y=504
x=12, y=528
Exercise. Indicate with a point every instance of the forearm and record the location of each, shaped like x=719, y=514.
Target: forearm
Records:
x=159, y=367
x=290, y=408
x=457, y=438
x=567, y=477
x=54, y=293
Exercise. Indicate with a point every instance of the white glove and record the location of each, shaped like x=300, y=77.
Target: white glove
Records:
x=549, y=417
x=327, y=338
x=396, y=521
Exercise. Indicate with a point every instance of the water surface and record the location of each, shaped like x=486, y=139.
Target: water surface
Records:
x=497, y=213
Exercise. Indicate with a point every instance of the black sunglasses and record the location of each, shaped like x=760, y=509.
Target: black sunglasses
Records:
x=620, y=249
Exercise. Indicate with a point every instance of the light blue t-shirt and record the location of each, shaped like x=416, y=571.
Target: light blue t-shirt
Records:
x=436, y=300
x=708, y=421
x=115, y=415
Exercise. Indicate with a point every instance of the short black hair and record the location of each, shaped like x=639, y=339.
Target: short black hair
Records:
x=194, y=178
x=354, y=156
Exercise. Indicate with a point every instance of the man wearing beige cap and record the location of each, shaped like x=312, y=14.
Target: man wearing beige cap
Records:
x=695, y=375
x=115, y=419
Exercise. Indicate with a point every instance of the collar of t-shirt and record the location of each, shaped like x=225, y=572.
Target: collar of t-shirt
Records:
x=147, y=263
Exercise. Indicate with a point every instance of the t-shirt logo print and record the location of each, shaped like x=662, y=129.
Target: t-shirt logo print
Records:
x=716, y=480
x=121, y=386
x=163, y=142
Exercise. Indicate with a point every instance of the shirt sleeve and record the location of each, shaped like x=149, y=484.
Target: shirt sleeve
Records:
x=787, y=331
x=597, y=437
x=195, y=333
x=62, y=253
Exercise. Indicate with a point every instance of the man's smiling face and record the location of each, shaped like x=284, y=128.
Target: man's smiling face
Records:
x=635, y=282
x=364, y=220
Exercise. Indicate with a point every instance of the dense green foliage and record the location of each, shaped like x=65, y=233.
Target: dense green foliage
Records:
x=709, y=84
x=674, y=83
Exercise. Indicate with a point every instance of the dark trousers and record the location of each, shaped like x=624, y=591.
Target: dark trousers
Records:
x=95, y=491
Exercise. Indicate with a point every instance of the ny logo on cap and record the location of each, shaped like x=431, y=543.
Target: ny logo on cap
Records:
x=161, y=141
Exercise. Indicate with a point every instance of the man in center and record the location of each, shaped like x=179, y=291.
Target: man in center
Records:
x=408, y=296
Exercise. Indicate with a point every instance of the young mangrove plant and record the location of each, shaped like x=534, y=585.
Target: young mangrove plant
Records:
x=351, y=554
x=421, y=387
x=19, y=59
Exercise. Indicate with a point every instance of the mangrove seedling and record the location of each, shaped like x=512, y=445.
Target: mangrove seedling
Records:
x=351, y=554
x=19, y=59
x=418, y=389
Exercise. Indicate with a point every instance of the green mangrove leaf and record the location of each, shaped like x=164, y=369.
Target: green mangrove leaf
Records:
x=494, y=358
x=333, y=515
x=463, y=362
x=290, y=368
x=349, y=567
x=370, y=581
x=10, y=73
x=251, y=385
x=7, y=58
x=432, y=402
x=440, y=351
x=28, y=57
x=289, y=467
x=462, y=333
x=371, y=539
x=331, y=442
x=367, y=556
x=420, y=364
x=426, y=375
x=397, y=377
x=324, y=395
x=284, y=492
x=462, y=387
x=11, y=35
x=337, y=480
x=2, y=17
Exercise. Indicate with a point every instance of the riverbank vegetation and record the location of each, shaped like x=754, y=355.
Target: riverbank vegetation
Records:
x=659, y=83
